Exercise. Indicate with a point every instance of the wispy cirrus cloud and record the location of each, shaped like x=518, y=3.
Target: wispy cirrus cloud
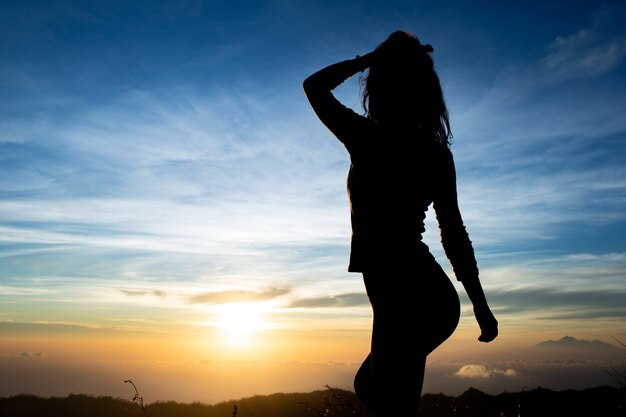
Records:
x=582, y=54
x=590, y=51
x=341, y=300
x=141, y=293
x=237, y=296
x=557, y=303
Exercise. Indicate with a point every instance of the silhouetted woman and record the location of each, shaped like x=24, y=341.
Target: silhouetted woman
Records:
x=400, y=164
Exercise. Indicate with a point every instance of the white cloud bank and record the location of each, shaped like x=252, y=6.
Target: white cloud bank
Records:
x=478, y=371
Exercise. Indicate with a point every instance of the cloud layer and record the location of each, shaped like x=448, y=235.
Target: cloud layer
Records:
x=479, y=371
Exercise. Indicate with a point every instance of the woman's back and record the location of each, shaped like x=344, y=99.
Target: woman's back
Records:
x=397, y=170
x=393, y=179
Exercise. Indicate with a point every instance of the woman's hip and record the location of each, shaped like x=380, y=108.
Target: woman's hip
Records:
x=412, y=289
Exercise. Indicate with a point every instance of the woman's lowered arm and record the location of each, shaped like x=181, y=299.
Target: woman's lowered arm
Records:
x=459, y=250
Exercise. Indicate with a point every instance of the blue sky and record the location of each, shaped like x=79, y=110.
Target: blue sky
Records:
x=157, y=158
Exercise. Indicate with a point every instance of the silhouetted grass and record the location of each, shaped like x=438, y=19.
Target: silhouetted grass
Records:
x=606, y=401
x=138, y=398
x=618, y=373
x=338, y=403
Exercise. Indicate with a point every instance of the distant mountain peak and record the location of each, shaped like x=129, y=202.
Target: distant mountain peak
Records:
x=568, y=339
x=572, y=342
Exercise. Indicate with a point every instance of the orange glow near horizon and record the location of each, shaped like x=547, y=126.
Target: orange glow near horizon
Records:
x=244, y=351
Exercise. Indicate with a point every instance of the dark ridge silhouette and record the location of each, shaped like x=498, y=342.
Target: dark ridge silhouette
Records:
x=603, y=401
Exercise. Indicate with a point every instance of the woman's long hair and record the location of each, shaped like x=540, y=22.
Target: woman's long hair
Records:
x=402, y=88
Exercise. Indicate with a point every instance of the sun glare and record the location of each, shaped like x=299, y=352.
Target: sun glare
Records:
x=239, y=322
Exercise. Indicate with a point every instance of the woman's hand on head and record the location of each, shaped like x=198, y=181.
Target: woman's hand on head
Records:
x=488, y=324
x=368, y=58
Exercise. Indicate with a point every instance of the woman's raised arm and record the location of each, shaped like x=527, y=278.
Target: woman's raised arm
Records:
x=340, y=120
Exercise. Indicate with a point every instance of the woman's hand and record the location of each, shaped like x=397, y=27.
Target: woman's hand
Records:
x=487, y=322
x=367, y=59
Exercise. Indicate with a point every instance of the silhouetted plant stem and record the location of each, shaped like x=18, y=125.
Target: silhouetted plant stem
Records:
x=139, y=399
x=618, y=374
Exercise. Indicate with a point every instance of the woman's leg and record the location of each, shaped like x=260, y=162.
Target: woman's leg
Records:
x=363, y=383
x=385, y=401
x=413, y=314
x=397, y=366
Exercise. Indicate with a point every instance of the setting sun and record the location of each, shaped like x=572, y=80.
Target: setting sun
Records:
x=239, y=322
